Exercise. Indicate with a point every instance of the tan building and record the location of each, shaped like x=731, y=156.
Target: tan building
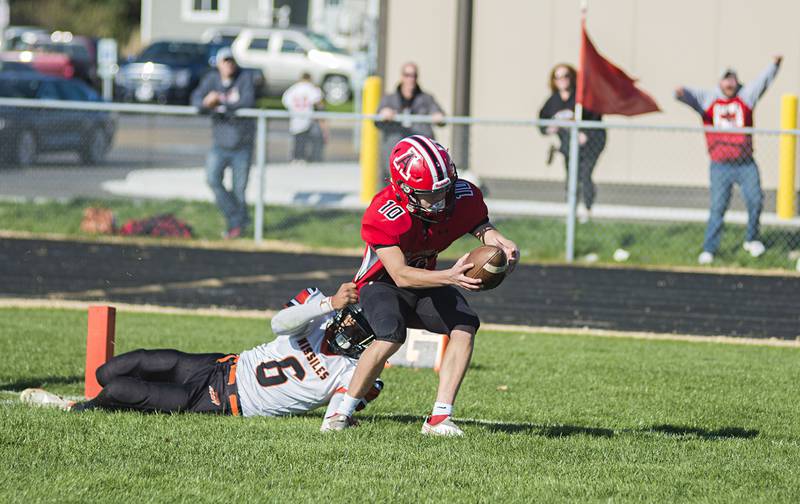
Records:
x=662, y=43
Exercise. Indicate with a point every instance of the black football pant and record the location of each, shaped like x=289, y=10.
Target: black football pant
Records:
x=161, y=380
x=390, y=309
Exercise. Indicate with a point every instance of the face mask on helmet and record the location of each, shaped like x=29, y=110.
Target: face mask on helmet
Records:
x=430, y=206
x=349, y=333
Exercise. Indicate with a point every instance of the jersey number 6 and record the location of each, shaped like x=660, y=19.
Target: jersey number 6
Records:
x=266, y=379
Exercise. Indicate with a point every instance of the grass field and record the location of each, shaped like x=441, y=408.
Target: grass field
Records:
x=553, y=418
x=539, y=239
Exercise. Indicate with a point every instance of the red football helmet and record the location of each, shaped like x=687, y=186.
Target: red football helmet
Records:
x=419, y=166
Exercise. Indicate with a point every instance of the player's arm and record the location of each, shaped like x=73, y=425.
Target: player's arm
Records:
x=406, y=276
x=489, y=235
x=293, y=320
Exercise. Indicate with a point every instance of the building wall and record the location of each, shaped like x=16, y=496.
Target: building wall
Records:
x=664, y=44
x=167, y=19
x=429, y=41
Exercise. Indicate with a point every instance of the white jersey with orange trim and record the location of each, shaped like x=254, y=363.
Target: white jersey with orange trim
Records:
x=296, y=372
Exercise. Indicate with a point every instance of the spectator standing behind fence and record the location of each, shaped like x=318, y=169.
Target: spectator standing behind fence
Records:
x=309, y=135
x=221, y=93
x=731, y=105
x=561, y=105
x=408, y=98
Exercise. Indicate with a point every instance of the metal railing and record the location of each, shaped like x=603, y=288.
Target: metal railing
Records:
x=263, y=117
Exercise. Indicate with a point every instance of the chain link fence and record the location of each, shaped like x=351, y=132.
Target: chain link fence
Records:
x=649, y=198
x=641, y=193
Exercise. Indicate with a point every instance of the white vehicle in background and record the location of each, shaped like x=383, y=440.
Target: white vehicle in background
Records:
x=284, y=54
x=221, y=35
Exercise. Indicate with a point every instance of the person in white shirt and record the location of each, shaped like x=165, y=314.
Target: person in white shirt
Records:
x=309, y=135
x=308, y=365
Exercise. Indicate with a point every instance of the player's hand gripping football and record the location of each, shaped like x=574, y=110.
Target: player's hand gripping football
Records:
x=457, y=277
x=347, y=294
x=511, y=250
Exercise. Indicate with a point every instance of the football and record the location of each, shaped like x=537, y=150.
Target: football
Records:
x=490, y=265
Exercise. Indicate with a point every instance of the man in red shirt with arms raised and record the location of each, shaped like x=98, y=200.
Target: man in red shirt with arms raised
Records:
x=420, y=213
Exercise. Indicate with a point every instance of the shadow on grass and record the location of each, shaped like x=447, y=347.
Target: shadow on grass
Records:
x=561, y=431
x=550, y=431
x=554, y=431
x=39, y=382
x=695, y=432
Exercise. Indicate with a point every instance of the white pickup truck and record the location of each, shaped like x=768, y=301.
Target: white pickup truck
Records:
x=284, y=54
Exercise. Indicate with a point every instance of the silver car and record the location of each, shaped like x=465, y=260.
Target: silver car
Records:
x=284, y=54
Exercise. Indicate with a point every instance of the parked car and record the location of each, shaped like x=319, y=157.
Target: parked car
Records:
x=222, y=35
x=15, y=66
x=57, y=65
x=165, y=71
x=25, y=132
x=78, y=49
x=284, y=54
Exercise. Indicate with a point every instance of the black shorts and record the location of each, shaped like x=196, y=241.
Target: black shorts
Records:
x=390, y=309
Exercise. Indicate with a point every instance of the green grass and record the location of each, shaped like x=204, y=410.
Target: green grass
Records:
x=582, y=419
x=539, y=239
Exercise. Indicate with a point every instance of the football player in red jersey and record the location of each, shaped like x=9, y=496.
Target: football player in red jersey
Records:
x=420, y=213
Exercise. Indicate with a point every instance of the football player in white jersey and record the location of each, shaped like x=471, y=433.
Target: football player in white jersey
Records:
x=309, y=364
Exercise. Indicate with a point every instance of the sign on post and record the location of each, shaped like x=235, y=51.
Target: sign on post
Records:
x=107, y=65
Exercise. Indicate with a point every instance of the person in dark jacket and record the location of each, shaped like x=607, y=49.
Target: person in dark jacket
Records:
x=408, y=98
x=220, y=94
x=561, y=105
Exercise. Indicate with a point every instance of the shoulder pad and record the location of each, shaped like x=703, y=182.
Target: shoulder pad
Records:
x=385, y=219
x=302, y=297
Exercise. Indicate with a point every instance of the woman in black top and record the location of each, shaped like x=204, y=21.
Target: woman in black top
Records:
x=561, y=105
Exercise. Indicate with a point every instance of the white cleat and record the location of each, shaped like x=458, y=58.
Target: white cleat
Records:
x=336, y=423
x=444, y=428
x=755, y=247
x=43, y=398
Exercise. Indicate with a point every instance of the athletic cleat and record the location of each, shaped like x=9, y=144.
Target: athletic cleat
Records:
x=337, y=422
x=444, y=428
x=43, y=398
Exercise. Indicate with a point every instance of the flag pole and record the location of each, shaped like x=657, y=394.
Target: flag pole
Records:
x=574, y=152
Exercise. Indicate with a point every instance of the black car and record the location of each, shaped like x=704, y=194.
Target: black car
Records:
x=164, y=72
x=26, y=132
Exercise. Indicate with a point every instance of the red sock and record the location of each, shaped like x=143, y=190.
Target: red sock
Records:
x=435, y=419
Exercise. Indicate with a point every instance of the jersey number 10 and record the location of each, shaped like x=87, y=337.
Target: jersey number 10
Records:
x=391, y=210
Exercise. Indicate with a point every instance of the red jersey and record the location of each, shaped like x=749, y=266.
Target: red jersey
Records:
x=729, y=113
x=388, y=223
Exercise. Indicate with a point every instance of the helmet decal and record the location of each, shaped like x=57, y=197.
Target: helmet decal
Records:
x=403, y=163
